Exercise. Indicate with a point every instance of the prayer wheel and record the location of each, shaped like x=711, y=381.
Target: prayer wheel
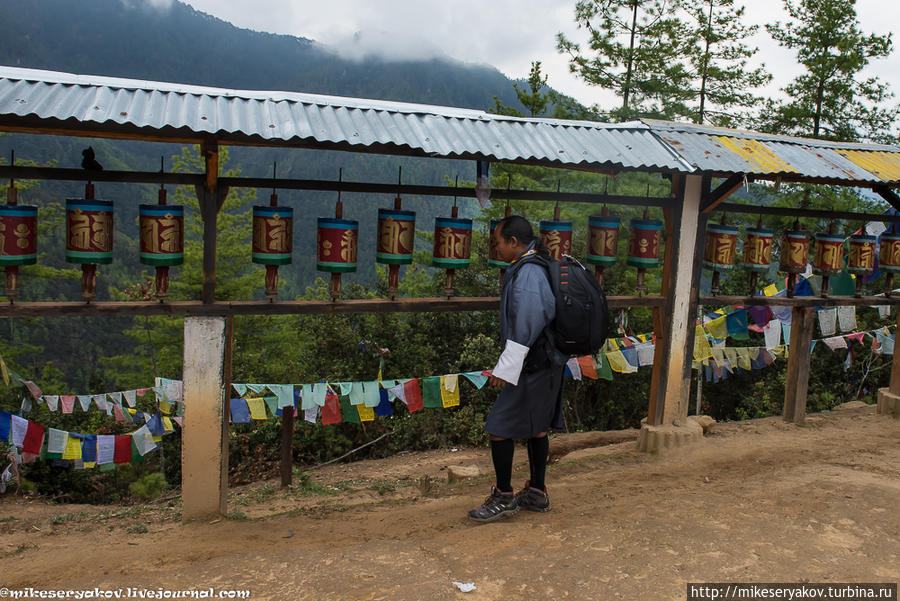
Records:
x=644, y=241
x=889, y=258
x=452, y=242
x=452, y=246
x=337, y=244
x=757, y=252
x=719, y=250
x=603, y=242
x=828, y=257
x=89, y=238
x=273, y=240
x=162, y=240
x=794, y=255
x=861, y=258
x=494, y=259
x=396, y=237
x=18, y=242
x=557, y=237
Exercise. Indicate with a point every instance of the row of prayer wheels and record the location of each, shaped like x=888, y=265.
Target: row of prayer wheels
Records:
x=89, y=242
x=828, y=257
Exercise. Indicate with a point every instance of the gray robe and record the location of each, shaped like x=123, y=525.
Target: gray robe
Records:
x=533, y=404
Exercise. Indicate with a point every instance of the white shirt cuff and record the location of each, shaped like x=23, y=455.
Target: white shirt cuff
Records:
x=509, y=365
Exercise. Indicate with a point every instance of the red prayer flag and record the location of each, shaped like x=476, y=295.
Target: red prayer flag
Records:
x=34, y=438
x=413, y=393
x=588, y=370
x=122, y=452
x=331, y=411
x=67, y=402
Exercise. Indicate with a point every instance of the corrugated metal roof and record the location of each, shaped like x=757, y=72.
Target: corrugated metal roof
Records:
x=154, y=109
x=94, y=105
x=722, y=150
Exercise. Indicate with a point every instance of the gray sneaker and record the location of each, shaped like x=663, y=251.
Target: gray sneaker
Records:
x=497, y=505
x=533, y=499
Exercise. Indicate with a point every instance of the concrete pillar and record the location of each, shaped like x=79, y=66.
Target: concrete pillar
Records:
x=204, y=446
x=889, y=398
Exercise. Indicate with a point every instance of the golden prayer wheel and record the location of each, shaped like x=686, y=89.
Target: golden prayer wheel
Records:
x=273, y=240
x=719, y=250
x=861, y=258
x=603, y=242
x=794, y=255
x=89, y=238
x=757, y=256
x=557, y=238
x=394, y=247
x=452, y=246
x=828, y=256
x=162, y=240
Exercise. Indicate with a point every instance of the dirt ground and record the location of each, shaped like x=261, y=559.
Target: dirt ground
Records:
x=759, y=501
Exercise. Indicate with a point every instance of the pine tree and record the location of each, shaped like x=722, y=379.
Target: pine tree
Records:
x=633, y=50
x=830, y=99
x=713, y=47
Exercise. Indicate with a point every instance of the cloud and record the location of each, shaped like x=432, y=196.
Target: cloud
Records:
x=384, y=45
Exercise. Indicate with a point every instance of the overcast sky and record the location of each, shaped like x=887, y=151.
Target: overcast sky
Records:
x=507, y=34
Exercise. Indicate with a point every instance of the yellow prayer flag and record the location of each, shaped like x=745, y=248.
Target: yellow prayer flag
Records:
x=744, y=357
x=257, y=407
x=770, y=290
x=4, y=371
x=165, y=407
x=366, y=414
x=702, y=349
x=717, y=328
x=618, y=363
x=73, y=448
x=449, y=398
x=157, y=439
x=89, y=464
x=167, y=423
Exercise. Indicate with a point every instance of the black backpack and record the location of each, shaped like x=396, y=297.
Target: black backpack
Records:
x=582, y=316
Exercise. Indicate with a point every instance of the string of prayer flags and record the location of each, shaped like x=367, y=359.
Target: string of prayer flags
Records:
x=619, y=364
x=450, y=390
x=602, y=367
x=702, y=350
x=718, y=328
x=573, y=369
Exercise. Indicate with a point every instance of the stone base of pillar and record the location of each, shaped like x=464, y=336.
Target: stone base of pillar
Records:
x=656, y=439
x=888, y=403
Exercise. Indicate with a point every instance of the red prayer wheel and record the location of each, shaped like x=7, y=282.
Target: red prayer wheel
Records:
x=861, y=258
x=719, y=250
x=337, y=244
x=758, y=249
x=828, y=258
x=452, y=242
x=557, y=237
x=273, y=240
x=794, y=251
x=89, y=237
x=644, y=241
x=889, y=258
x=18, y=242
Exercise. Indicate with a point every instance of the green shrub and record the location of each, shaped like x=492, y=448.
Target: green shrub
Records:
x=149, y=487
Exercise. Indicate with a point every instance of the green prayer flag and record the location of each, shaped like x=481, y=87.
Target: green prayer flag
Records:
x=272, y=403
x=431, y=392
x=348, y=411
x=601, y=364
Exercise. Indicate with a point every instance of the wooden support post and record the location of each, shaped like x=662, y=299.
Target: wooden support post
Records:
x=204, y=453
x=797, y=380
x=209, y=211
x=675, y=323
x=287, y=444
x=889, y=398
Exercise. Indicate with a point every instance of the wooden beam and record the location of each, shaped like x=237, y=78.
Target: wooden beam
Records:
x=80, y=175
x=810, y=213
x=787, y=178
x=340, y=307
x=799, y=301
x=889, y=195
x=713, y=199
x=797, y=378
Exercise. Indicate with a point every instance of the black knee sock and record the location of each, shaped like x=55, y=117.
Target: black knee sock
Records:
x=530, y=460
x=537, y=455
x=502, y=454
